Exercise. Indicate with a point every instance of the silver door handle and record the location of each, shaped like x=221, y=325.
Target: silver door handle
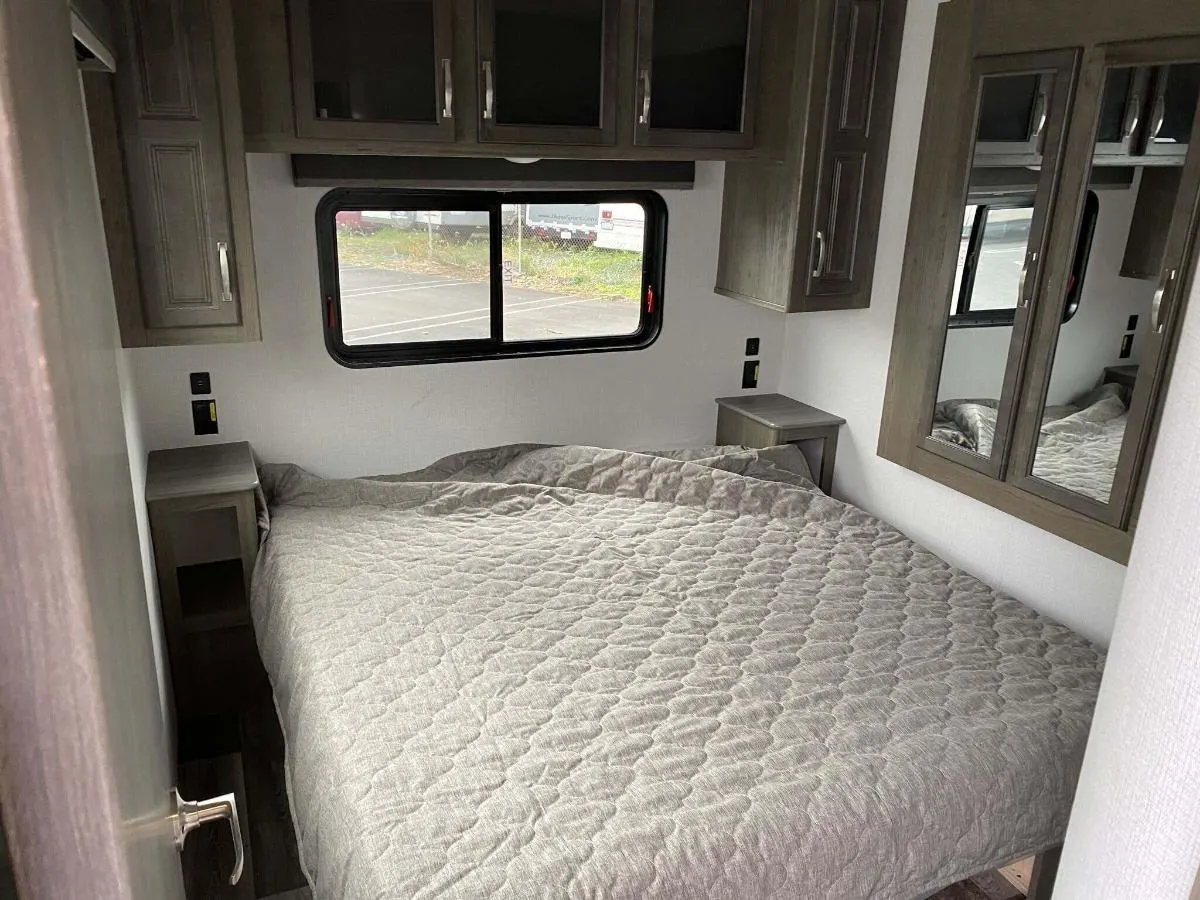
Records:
x=1022, y=299
x=1157, y=320
x=447, y=90
x=819, y=268
x=188, y=816
x=1132, y=116
x=644, y=117
x=226, y=277
x=489, y=91
x=1160, y=115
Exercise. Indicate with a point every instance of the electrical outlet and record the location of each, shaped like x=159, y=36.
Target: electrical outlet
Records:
x=204, y=416
x=750, y=374
x=1127, y=346
x=201, y=383
x=752, y=346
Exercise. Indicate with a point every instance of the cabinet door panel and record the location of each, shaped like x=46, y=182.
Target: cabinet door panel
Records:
x=1176, y=93
x=175, y=193
x=1012, y=120
x=179, y=196
x=548, y=71
x=165, y=78
x=373, y=70
x=697, y=72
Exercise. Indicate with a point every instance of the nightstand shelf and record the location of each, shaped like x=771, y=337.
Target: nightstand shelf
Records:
x=212, y=595
x=769, y=420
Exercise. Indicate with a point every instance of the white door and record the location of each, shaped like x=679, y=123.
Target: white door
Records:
x=84, y=764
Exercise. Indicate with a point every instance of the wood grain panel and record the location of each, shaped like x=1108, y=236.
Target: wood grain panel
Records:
x=176, y=171
x=845, y=215
x=862, y=44
x=163, y=60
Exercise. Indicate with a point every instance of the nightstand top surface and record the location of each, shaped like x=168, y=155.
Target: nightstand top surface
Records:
x=778, y=411
x=197, y=471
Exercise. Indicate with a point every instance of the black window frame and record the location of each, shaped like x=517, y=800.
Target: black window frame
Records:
x=965, y=317
x=494, y=346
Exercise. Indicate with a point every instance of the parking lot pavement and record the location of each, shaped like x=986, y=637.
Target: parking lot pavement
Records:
x=380, y=306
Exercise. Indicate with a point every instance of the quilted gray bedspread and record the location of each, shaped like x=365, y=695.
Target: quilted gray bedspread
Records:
x=573, y=672
x=1078, y=446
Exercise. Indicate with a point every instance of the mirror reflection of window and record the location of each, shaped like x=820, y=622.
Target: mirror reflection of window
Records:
x=996, y=230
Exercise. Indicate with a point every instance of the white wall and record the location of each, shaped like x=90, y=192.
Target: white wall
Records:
x=839, y=361
x=1135, y=826
x=973, y=365
x=292, y=402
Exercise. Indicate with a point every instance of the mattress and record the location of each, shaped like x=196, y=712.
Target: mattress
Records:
x=577, y=672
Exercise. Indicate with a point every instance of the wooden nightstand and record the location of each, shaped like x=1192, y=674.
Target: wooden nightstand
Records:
x=768, y=420
x=204, y=527
x=1126, y=376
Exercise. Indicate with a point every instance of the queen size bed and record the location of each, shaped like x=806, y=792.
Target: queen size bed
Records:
x=576, y=672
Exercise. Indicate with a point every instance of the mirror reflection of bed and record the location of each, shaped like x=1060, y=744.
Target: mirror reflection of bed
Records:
x=1091, y=383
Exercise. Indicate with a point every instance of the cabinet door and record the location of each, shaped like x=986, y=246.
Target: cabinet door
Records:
x=1012, y=120
x=373, y=69
x=697, y=72
x=171, y=128
x=548, y=71
x=1123, y=107
x=993, y=266
x=849, y=149
x=1088, y=448
x=1176, y=90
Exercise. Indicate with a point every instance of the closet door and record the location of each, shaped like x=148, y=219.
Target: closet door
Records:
x=1000, y=248
x=548, y=71
x=1091, y=413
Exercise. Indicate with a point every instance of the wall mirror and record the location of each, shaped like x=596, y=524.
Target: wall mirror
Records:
x=1020, y=104
x=1105, y=369
x=1049, y=255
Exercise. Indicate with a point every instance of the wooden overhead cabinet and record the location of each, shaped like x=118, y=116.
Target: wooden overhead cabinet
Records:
x=802, y=235
x=172, y=177
x=588, y=79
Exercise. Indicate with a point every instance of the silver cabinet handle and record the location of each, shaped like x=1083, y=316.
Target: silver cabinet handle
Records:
x=819, y=268
x=644, y=77
x=1160, y=115
x=1022, y=299
x=226, y=277
x=1132, y=116
x=1158, y=321
x=1039, y=115
x=188, y=816
x=489, y=91
x=447, y=90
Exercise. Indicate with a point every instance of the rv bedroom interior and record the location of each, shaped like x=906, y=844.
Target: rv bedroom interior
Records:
x=607, y=448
